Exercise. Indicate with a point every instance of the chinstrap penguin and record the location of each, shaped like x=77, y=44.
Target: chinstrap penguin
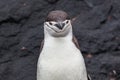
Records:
x=60, y=57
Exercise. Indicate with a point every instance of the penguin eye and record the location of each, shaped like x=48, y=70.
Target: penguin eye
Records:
x=67, y=22
x=50, y=23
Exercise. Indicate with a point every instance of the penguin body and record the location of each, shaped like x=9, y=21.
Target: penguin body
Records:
x=60, y=57
x=61, y=60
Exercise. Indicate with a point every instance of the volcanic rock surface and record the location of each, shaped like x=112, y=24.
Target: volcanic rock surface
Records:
x=96, y=25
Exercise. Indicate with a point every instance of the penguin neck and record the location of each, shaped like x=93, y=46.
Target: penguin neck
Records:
x=66, y=38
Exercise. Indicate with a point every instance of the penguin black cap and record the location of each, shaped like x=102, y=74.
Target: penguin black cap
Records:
x=57, y=15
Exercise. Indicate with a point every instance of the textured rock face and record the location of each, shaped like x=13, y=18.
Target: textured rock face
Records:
x=97, y=27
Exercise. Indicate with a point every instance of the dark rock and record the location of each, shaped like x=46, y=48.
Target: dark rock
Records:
x=52, y=1
x=9, y=29
x=96, y=26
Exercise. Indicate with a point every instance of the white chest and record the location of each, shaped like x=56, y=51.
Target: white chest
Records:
x=61, y=61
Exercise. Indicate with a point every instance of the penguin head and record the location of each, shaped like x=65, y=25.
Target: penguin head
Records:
x=57, y=24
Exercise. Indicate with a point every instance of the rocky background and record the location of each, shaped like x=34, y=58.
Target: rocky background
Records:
x=96, y=26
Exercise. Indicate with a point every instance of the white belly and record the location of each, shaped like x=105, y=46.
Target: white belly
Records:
x=61, y=62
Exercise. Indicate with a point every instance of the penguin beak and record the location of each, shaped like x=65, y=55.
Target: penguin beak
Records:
x=60, y=25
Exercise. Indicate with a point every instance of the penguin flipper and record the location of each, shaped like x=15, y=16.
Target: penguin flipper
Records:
x=75, y=41
x=41, y=45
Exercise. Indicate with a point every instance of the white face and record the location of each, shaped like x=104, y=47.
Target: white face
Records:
x=58, y=29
